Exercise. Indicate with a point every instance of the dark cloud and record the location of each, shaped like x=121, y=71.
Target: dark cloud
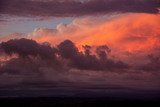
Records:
x=63, y=8
x=68, y=49
x=85, y=60
x=33, y=70
x=153, y=65
x=26, y=48
x=34, y=56
x=102, y=52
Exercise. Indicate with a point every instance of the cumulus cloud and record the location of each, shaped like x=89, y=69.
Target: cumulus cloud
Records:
x=65, y=56
x=26, y=48
x=99, y=52
x=130, y=36
x=45, y=66
x=29, y=49
x=88, y=61
x=125, y=28
x=71, y=8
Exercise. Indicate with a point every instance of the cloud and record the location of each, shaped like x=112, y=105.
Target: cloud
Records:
x=120, y=41
x=70, y=8
x=130, y=36
x=87, y=61
x=30, y=49
x=126, y=28
x=153, y=64
x=102, y=52
x=70, y=68
x=26, y=48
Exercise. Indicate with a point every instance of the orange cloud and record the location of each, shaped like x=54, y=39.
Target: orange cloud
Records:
x=128, y=32
x=122, y=33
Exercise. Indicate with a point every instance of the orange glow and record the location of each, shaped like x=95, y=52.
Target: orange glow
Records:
x=129, y=32
x=132, y=32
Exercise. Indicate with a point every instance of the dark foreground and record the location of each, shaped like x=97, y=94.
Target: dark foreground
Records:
x=75, y=102
x=77, y=97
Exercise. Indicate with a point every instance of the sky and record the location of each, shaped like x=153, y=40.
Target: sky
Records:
x=26, y=25
x=74, y=45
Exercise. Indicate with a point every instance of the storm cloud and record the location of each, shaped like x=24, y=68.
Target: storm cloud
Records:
x=65, y=66
x=66, y=53
x=98, y=61
x=65, y=8
x=24, y=48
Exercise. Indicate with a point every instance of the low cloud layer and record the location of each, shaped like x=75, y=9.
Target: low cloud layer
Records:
x=40, y=65
x=64, y=8
x=66, y=51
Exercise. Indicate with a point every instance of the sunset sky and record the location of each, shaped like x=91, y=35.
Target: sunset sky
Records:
x=80, y=44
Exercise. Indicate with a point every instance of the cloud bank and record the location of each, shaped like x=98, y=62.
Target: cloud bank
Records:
x=130, y=36
x=38, y=66
x=70, y=8
x=66, y=51
x=118, y=51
